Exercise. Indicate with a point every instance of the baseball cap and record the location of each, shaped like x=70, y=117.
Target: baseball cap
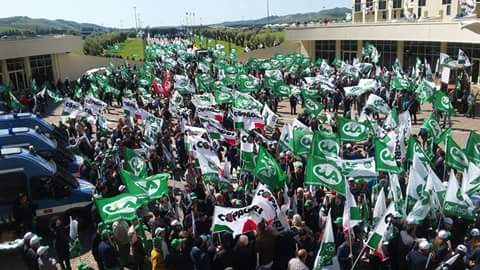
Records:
x=193, y=196
x=35, y=240
x=475, y=232
x=176, y=242
x=462, y=248
x=448, y=221
x=159, y=230
x=338, y=220
x=106, y=234
x=308, y=203
x=42, y=250
x=424, y=245
x=175, y=222
x=443, y=234
x=28, y=236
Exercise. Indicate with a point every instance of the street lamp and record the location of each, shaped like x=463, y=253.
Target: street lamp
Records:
x=135, y=17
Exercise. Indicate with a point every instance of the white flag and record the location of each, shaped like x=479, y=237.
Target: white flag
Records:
x=327, y=256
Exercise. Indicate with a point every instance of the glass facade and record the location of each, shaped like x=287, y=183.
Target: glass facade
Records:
x=382, y=4
x=397, y=4
x=41, y=67
x=16, y=73
x=387, y=50
x=349, y=50
x=358, y=5
x=325, y=49
x=423, y=50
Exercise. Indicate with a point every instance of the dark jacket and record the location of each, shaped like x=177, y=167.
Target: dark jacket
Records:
x=108, y=254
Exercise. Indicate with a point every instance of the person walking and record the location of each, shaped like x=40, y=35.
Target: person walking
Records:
x=61, y=244
x=293, y=104
x=471, y=102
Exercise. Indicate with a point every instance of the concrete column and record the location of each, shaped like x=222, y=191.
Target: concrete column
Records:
x=443, y=47
x=375, y=8
x=27, y=71
x=307, y=48
x=359, y=49
x=5, y=76
x=55, y=67
x=338, y=49
x=364, y=5
x=389, y=8
x=400, y=49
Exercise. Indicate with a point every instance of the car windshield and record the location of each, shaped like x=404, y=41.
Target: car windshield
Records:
x=64, y=176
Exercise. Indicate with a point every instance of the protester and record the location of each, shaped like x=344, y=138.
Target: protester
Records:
x=198, y=173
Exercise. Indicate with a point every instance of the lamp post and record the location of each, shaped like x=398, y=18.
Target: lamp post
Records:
x=135, y=17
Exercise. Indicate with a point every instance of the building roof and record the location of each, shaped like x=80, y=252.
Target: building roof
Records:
x=42, y=45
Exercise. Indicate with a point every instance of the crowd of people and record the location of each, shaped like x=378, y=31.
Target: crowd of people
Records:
x=176, y=230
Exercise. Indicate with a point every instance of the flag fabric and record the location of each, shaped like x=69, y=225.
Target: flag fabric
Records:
x=268, y=171
x=246, y=152
x=276, y=217
x=359, y=169
x=471, y=179
x=302, y=141
x=218, y=133
x=377, y=104
x=223, y=97
x=424, y=91
x=327, y=256
x=351, y=212
x=457, y=202
x=380, y=230
x=247, y=119
x=384, y=158
x=325, y=146
x=431, y=125
x=149, y=188
x=269, y=117
x=209, y=168
x=209, y=113
x=153, y=127
x=415, y=188
x=472, y=147
x=380, y=206
x=282, y=90
x=134, y=163
x=123, y=206
x=396, y=194
x=413, y=147
x=246, y=102
x=313, y=107
x=392, y=120
x=441, y=102
x=285, y=142
x=351, y=131
x=454, y=155
x=321, y=172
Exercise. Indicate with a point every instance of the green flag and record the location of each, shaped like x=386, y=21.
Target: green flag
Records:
x=282, y=90
x=381, y=229
x=431, y=125
x=134, y=163
x=322, y=172
x=152, y=187
x=122, y=206
x=325, y=146
x=351, y=131
x=454, y=155
x=400, y=84
x=414, y=147
x=268, y=171
x=313, y=107
x=384, y=158
x=472, y=148
x=457, y=202
x=326, y=256
x=441, y=102
x=223, y=97
x=425, y=91
x=14, y=104
x=302, y=141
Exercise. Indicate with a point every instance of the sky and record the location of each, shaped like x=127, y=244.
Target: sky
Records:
x=120, y=13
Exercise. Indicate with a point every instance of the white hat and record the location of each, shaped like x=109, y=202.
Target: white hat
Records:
x=159, y=230
x=28, y=236
x=424, y=245
x=397, y=214
x=35, y=240
x=443, y=234
x=42, y=250
x=462, y=248
x=411, y=221
x=475, y=232
x=175, y=222
x=448, y=221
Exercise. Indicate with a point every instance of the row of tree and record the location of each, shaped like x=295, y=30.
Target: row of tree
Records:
x=95, y=43
x=251, y=39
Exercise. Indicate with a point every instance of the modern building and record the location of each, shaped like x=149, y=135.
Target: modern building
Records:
x=45, y=58
x=403, y=29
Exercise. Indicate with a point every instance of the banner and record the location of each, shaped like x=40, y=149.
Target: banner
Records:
x=93, y=105
x=70, y=106
x=247, y=119
x=263, y=195
x=130, y=106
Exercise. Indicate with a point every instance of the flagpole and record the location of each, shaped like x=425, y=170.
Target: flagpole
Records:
x=358, y=258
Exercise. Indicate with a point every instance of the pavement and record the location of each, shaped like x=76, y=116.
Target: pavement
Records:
x=461, y=129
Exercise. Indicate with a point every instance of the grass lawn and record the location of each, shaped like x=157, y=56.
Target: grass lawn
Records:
x=132, y=48
x=212, y=43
